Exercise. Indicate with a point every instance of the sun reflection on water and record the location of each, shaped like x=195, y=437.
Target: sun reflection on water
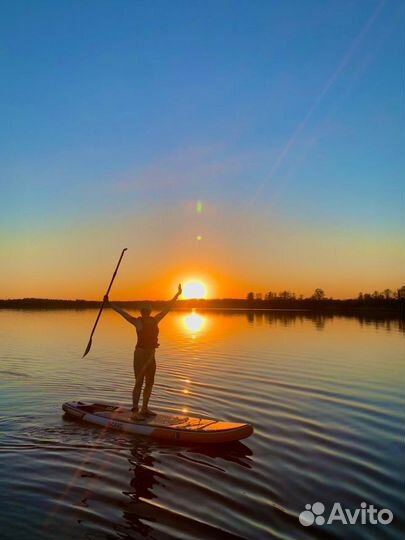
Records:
x=194, y=322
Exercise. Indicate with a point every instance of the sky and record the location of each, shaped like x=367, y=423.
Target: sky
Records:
x=252, y=145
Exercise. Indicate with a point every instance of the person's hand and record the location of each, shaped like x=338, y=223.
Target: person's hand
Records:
x=106, y=300
x=179, y=290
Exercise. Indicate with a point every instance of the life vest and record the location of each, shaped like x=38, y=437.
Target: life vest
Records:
x=148, y=334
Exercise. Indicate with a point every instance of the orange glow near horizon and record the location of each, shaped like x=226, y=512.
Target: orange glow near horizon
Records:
x=68, y=263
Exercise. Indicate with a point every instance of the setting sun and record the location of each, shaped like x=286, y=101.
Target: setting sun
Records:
x=194, y=289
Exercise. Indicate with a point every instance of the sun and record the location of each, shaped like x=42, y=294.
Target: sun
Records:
x=194, y=289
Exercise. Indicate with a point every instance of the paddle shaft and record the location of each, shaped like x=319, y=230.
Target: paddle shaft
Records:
x=103, y=304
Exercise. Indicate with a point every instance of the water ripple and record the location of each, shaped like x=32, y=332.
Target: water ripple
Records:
x=328, y=412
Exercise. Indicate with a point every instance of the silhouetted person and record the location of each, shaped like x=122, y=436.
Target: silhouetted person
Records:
x=147, y=330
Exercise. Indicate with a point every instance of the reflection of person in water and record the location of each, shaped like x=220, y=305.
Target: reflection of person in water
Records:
x=138, y=511
x=148, y=484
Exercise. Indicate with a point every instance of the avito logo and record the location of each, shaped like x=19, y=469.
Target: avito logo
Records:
x=366, y=514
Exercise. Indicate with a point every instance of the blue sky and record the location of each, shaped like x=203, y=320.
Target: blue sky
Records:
x=290, y=113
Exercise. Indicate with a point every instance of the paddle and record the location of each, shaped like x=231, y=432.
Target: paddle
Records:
x=102, y=305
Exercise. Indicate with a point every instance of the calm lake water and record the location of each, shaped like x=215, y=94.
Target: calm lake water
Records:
x=326, y=397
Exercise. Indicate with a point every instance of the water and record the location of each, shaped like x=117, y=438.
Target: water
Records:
x=325, y=395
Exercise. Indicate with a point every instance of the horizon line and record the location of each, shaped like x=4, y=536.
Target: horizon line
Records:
x=299, y=298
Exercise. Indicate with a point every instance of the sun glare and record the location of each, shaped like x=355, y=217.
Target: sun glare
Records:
x=194, y=322
x=194, y=289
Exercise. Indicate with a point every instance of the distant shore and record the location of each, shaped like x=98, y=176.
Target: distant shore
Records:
x=389, y=306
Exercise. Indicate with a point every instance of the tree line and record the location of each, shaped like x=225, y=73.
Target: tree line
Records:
x=319, y=295
x=387, y=301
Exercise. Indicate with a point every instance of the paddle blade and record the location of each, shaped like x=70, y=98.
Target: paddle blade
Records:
x=87, y=348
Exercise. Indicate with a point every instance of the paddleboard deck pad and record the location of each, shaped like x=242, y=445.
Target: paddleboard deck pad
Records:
x=169, y=427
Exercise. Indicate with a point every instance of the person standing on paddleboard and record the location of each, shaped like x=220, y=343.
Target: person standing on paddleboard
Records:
x=147, y=330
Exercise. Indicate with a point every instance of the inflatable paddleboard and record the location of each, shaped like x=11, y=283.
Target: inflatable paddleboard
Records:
x=169, y=427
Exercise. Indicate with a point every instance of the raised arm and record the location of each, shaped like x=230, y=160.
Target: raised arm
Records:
x=169, y=305
x=123, y=313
